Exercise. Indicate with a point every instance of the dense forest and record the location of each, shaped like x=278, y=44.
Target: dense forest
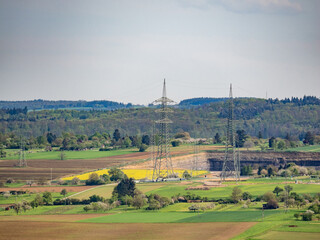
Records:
x=271, y=117
x=45, y=104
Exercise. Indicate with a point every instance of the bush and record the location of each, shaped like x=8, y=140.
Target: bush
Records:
x=296, y=215
x=246, y=196
x=94, y=179
x=96, y=198
x=194, y=207
x=186, y=175
x=143, y=147
x=307, y=216
x=271, y=204
x=75, y=181
x=116, y=174
x=175, y=143
x=268, y=196
x=125, y=187
x=315, y=207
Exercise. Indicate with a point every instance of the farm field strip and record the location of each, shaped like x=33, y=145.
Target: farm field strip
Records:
x=55, y=155
x=106, y=190
x=133, y=173
x=134, y=231
x=182, y=217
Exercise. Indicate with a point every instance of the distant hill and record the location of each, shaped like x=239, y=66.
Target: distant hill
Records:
x=61, y=104
x=272, y=117
x=192, y=102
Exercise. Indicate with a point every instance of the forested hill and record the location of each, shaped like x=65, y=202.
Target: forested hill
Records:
x=46, y=104
x=193, y=102
x=272, y=117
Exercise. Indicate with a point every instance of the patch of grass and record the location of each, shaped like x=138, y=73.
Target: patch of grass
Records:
x=15, y=184
x=229, y=216
x=311, y=148
x=106, y=190
x=88, y=154
x=301, y=227
x=141, y=217
x=288, y=235
x=35, y=211
x=225, y=192
x=28, y=197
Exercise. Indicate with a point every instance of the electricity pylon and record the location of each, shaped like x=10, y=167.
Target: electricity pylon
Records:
x=231, y=163
x=162, y=158
x=22, y=159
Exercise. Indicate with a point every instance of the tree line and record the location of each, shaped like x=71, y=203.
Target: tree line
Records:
x=270, y=118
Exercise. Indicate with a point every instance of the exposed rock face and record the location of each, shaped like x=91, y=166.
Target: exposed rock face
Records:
x=307, y=159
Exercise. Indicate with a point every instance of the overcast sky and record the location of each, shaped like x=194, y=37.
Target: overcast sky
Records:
x=121, y=50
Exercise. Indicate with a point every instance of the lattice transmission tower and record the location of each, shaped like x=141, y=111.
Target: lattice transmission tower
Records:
x=162, y=164
x=231, y=163
x=22, y=158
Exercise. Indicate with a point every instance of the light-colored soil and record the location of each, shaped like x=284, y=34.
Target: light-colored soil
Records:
x=57, y=230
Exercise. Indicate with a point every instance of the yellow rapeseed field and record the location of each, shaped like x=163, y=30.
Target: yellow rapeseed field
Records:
x=134, y=173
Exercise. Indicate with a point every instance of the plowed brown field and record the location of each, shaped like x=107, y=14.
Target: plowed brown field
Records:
x=69, y=230
x=41, y=168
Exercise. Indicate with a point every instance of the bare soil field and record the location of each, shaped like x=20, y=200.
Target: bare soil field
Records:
x=48, y=188
x=50, y=218
x=39, y=168
x=69, y=230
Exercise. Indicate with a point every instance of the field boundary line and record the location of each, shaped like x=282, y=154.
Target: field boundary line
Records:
x=90, y=189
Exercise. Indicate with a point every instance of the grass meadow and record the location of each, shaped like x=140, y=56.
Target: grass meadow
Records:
x=55, y=155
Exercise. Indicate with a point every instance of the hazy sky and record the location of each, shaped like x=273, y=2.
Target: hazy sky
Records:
x=121, y=50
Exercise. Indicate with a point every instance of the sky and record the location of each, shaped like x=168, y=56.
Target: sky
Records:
x=121, y=50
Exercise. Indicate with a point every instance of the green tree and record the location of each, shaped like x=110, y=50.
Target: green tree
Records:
x=246, y=196
x=217, y=138
x=62, y=155
x=64, y=192
x=3, y=154
x=281, y=145
x=154, y=204
x=116, y=174
x=143, y=147
x=186, y=175
x=138, y=201
x=116, y=135
x=194, y=207
x=309, y=138
x=125, y=187
x=272, y=142
x=47, y=198
x=175, y=143
x=94, y=179
x=288, y=189
x=127, y=142
x=241, y=138
x=75, y=181
x=277, y=190
x=267, y=196
x=236, y=194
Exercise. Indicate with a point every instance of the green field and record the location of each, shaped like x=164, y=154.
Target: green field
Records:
x=28, y=197
x=312, y=148
x=224, y=192
x=106, y=190
x=88, y=154
x=269, y=224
